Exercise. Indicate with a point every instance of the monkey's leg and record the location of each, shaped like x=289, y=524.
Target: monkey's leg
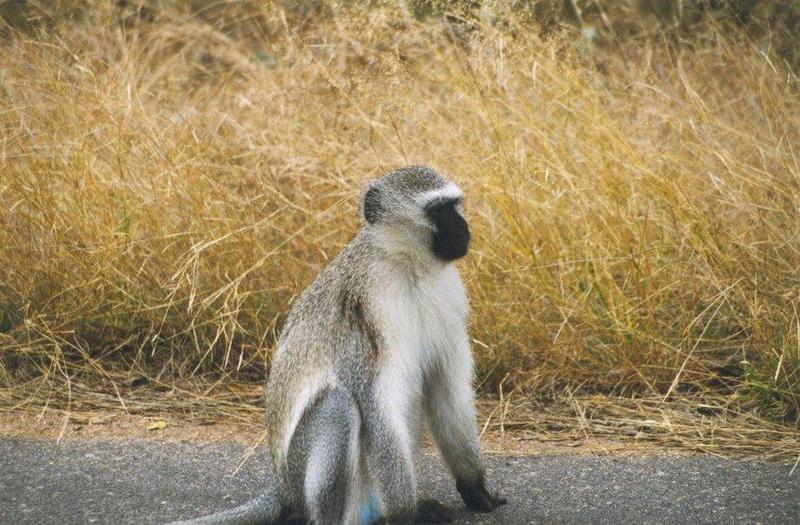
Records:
x=331, y=484
x=391, y=469
x=450, y=409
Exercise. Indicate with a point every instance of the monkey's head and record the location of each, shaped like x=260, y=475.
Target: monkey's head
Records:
x=416, y=210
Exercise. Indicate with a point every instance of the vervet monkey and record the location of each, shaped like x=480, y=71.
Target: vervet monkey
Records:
x=376, y=345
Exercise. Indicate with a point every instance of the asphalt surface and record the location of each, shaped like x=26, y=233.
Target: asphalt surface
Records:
x=149, y=482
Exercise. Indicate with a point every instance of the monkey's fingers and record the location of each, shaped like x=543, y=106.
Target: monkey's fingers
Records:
x=431, y=511
x=477, y=498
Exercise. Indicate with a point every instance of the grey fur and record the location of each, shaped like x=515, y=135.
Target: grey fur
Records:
x=265, y=508
x=330, y=439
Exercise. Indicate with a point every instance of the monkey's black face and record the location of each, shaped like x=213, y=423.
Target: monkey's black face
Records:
x=451, y=233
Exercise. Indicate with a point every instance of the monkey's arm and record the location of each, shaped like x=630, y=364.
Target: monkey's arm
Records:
x=450, y=409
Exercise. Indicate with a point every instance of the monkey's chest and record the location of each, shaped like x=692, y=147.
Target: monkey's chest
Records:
x=424, y=326
x=422, y=322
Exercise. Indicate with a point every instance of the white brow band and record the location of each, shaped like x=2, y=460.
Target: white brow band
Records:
x=451, y=191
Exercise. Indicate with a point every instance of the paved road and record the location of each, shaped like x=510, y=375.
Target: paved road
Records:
x=138, y=482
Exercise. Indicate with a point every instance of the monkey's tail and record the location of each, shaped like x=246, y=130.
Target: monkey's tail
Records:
x=263, y=509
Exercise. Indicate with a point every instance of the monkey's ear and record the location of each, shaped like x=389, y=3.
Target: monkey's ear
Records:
x=372, y=205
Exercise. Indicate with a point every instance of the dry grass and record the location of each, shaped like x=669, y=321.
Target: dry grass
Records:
x=170, y=179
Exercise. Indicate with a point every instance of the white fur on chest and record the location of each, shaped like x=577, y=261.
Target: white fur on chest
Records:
x=423, y=322
x=421, y=319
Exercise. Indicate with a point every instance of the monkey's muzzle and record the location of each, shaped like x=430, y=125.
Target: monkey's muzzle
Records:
x=451, y=233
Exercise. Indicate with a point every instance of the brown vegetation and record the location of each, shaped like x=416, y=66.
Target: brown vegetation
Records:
x=170, y=178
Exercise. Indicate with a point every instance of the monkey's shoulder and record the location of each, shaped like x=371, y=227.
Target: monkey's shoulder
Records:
x=348, y=272
x=323, y=319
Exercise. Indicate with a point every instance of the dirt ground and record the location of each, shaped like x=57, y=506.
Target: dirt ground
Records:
x=59, y=426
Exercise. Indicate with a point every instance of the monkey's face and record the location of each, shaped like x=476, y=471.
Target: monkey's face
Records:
x=416, y=212
x=450, y=239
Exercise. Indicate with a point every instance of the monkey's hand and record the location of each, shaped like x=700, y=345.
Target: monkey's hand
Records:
x=431, y=511
x=477, y=497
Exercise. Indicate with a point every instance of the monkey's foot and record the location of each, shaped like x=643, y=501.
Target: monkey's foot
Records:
x=478, y=498
x=431, y=511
